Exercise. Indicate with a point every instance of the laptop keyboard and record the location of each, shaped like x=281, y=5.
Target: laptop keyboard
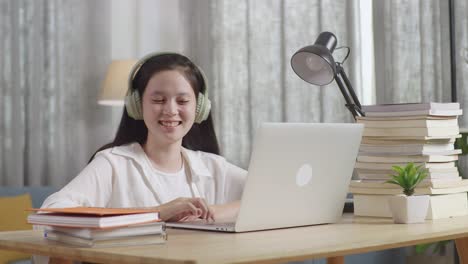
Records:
x=202, y=223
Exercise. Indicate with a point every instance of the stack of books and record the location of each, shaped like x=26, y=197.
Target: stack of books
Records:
x=422, y=133
x=100, y=227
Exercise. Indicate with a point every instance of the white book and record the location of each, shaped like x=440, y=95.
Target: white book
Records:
x=396, y=118
x=422, y=122
x=409, y=153
x=406, y=159
x=92, y=217
x=413, y=138
x=411, y=131
x=388, y=166
x=427, y=182
x=430, y=176
x=429, y=112
x=440, y=206
x=407, y=148
x=112, y=242
x=92, y=233
x=391, y=171
x=410, y=107
x=391, y=142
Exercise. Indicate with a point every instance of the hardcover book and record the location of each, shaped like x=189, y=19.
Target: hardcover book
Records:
x=411, y=131
x=410, y=107
x=111, y=242
x=384, y=153
x=385, y=175
x=407, y=148
x=93, y=233
x=406, y=159
x=91, y=217
x=420, y=122
x=388, y=166
x=429, y=112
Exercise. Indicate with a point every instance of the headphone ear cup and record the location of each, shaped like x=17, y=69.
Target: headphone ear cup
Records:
x=203, y=108
x=133, y=105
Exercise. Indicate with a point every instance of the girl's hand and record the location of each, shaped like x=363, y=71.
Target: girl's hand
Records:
x=185, y=209
x=226, y=212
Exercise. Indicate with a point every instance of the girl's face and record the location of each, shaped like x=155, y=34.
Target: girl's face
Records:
x=169, y=104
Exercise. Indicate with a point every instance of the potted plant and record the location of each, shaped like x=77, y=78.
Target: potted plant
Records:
x=406, y=207
x=442, y=253
x=443, y=250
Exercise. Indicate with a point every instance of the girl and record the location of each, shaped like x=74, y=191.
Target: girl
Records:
x=165, y=154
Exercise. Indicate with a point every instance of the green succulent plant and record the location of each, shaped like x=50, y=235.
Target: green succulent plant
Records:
x=408, y=177
x=462, y=143
x=438, y=247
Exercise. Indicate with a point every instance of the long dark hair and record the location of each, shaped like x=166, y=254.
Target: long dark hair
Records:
x=200, y=136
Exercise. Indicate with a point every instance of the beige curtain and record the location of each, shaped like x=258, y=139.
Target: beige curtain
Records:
x=412, y=50
x=245, y=48
x=54, y=54
x=461, y=53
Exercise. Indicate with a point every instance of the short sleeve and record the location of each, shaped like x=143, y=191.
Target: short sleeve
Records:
x=92, y=187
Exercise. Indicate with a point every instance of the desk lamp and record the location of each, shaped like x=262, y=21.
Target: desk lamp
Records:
x=315, y=65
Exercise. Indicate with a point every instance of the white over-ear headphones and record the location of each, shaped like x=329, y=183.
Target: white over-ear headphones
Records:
x=133, y=100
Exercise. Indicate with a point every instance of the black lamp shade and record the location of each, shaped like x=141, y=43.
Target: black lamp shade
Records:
x=315, y=63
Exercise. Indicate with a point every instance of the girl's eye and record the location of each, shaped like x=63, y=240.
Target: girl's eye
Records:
x=183, y=101
x=158, y=101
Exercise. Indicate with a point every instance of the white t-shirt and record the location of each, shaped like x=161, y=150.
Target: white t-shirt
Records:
x=124, y=177
x=177, y=182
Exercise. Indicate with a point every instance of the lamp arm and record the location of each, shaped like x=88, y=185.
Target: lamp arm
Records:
x=349, y=104
x=348, y=84
x=355, y=104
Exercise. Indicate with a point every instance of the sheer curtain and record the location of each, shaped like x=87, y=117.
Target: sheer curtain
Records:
x=412, y=50
x=461, y=53
x=245, y=48
x=54, y=54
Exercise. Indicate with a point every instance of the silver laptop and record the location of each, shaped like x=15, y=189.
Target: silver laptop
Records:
x=298, y=175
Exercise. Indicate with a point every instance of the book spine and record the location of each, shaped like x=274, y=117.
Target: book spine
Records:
x=416, y=113
x=405, y=159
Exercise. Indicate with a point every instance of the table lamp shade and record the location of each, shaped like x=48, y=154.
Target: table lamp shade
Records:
x=314, y=67
x=115, y=84
x=315, y=63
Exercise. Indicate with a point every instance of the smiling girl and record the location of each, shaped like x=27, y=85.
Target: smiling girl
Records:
x=165, y=154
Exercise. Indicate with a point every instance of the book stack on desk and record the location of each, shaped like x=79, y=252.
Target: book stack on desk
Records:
x=100, y=227
x=422, y=133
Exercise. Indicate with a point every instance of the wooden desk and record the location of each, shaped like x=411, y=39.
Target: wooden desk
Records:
x=350, y=236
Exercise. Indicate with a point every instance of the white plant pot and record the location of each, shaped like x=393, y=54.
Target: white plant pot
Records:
x=409, y=209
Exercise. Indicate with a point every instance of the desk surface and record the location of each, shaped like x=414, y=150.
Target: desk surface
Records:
x=352, y=235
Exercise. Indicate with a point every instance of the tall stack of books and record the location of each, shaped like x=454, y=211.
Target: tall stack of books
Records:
x=100, y=227
x=422, y=133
